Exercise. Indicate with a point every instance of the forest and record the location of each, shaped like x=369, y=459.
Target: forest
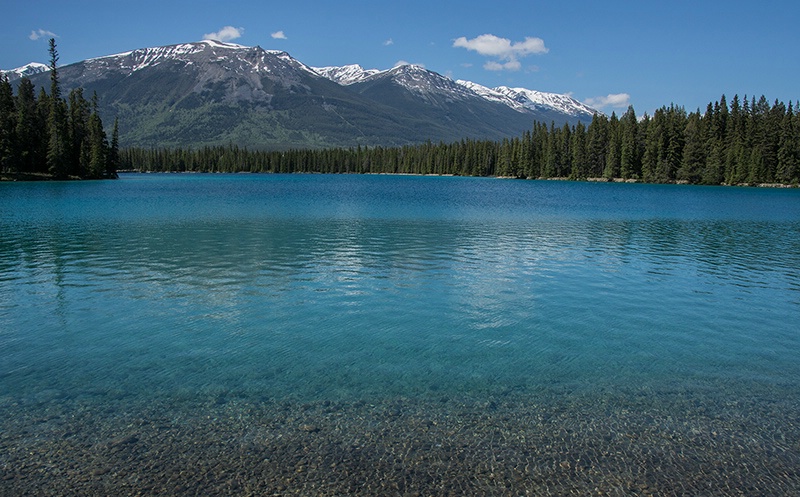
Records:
x=50, y=137
x=744, y=142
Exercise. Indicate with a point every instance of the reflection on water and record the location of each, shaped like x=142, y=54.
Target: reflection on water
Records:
x=371, y=289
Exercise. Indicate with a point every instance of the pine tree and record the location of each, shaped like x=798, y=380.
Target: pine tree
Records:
x=714, y=120
x=57, y=149
x=788, y=149
x=630, y=158
x=113, y=153
x=614, y=149
x=579, y=152
x=8, y=117
x=29, y=129
x=597, y=143
x=79, y=155
x=654, y=131
x=693, y=162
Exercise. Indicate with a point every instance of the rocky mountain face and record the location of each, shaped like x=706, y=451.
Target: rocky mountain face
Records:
x=27, y=70
x=210, y=92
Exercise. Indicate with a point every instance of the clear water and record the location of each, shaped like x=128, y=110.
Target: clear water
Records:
x=361, y=290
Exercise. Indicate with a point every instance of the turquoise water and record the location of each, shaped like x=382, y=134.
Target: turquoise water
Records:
x=658, y=311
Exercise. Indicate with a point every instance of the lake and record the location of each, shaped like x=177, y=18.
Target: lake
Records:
x=397, y=335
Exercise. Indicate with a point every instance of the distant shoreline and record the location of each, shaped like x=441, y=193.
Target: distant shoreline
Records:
x=29, y=177
x=586, y=180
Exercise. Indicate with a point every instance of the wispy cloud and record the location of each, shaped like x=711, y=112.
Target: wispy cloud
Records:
x=279, y=35
x=227, y=33
x=511, y=65
x=506, y=52
x=41, y=33
x=388, y=42
x=406, y=63
x=616, y=100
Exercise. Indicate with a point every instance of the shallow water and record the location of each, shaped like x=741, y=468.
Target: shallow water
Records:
x=217, y=334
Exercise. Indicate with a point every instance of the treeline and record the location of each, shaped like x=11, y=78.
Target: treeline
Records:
x=746, y=142
x=52, y=136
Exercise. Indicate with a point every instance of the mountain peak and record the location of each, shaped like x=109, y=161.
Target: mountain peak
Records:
x=534, y=100
x=26, y=70
x=345, y=75
x=223, y=44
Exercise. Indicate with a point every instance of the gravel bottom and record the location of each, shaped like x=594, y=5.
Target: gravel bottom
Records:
x=576, y=445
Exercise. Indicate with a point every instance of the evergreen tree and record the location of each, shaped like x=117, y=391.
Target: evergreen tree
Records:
x=715, y=122
x=614, y=149
x=694, y=151
x=630, y=156
x=57, y=145
x=653, y=144
x=671, y=154
x=597, y=143
x=788, y=149
x=8, y=156
x=29, y=129
x=113, y=153
x=579, y=152
x=77, y=128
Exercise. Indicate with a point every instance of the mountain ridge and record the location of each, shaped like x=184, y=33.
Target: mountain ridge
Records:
x=212, y=92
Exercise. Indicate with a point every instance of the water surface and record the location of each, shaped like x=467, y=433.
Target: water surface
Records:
x=424, y=334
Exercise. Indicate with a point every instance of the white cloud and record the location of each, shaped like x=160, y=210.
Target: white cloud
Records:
x=511, y=65
x=505, y=50
x=227, y=33
x=42, y=33
x=618, y=100
x=406, y=63
x=388, y=42
x=279, y=35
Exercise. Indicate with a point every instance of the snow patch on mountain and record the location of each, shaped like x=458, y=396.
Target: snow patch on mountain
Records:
x=422, y=81
x=221, y=44
x=492, y=95
x=345, y=75
x=523, y=99
x=26, y=70
x=136, y=60
x=532, y=99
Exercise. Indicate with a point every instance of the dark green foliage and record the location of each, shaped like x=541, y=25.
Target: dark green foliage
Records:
x=7, y=125
x=51, y=135
x=747, y=143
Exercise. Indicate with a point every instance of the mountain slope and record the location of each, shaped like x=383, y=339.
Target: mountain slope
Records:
x=209, y=92
x=433, y=98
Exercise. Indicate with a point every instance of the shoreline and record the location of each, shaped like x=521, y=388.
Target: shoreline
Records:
x=541, y=178
x=36, y=177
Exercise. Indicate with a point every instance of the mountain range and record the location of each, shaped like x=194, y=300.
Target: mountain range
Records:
x=212, y=93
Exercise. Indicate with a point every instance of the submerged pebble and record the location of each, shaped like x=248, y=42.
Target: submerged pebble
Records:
x=522, y=446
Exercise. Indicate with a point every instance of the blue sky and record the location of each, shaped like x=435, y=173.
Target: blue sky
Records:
x=609, y=54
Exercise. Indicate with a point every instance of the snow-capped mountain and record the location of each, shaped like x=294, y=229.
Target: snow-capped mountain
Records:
x=536, y=100
x=424, y=82
x=210, y=92
x=247, y=69
x=523, y=99
x=26, y=71
x=345, y=75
